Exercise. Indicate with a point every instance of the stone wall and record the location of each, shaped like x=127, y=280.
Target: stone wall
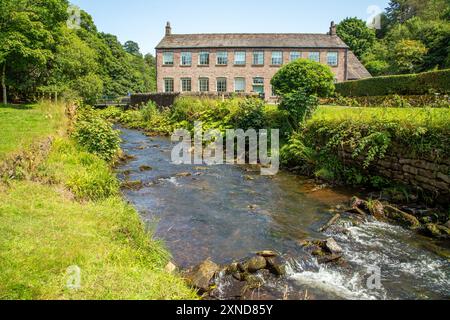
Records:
x=430, y=174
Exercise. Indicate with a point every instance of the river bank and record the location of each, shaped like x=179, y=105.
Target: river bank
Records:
x=66, y=231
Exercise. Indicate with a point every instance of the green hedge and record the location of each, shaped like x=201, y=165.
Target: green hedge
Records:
x=409, y=84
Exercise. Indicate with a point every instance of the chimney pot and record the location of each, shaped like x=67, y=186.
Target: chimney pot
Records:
x=168, y=29
x=333, y=31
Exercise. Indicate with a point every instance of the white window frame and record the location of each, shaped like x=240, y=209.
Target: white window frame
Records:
x=334, y=53
x=240, y=54
x=259, y=83
x=277, y=61
x=182, y=84
x=165, y=85
x=167, y=62
x=222, y=58
x=202, y=53
x=298, y=54
x=182, y=60
x=200, y=84
x=259, y=54
x=243, y=83
x=226, y=84
x=313, y=54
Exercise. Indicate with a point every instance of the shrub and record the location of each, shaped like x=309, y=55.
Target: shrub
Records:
x=410, y=84
x=148, y=111
x=249, y=114
x=97, y=136
x=299, y=105
x=312, y=77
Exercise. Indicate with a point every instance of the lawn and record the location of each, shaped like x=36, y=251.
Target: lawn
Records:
x=409, y=117
x=22, y=125
x=70, y=223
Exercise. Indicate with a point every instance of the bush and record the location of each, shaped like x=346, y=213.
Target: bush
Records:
x=312, y=77
x=97, y=136
x=299, y=105
x=410, y=84
x=249, y=115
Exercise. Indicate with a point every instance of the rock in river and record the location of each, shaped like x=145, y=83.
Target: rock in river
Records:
x=276, y=265
x=145, y=168
x=255, y=264
x=332, y=246
x=200, y=277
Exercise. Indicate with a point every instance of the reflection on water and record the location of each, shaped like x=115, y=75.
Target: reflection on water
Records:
x=218, y=212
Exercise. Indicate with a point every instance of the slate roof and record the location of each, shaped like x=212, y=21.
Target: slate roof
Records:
x=251, y=40
x=356, y=69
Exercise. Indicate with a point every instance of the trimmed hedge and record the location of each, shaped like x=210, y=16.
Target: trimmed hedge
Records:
x=409, y=84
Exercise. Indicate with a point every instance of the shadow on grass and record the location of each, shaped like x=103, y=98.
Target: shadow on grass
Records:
x=16, y=106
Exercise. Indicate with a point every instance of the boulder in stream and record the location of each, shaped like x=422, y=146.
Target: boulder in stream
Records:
x=200, y=277
x=132, y=185
x=145, y=168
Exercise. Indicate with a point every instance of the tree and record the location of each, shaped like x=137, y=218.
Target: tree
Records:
x=25, y=41
x=355, y=33
x=132, y=48
x=408, y=56
x=312, y=77
x=400, y=11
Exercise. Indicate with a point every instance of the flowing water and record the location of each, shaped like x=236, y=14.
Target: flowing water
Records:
x=228, y=212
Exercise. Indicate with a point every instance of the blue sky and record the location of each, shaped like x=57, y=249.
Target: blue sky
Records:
x=143, y=21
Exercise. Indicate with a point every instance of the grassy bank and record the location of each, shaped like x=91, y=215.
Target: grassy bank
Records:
x=72, y=214
x=20, y=125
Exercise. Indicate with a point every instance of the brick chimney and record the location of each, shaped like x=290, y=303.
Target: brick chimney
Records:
x=332, y=29
x=168, y=29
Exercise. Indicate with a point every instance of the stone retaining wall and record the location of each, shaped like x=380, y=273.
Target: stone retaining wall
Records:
x=430, y=174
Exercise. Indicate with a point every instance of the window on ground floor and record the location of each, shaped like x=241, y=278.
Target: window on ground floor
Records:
x=203, y=85
x=168, y=85
x=221, y=85
x=239, y=85
x=258, y=85
x=186, y=85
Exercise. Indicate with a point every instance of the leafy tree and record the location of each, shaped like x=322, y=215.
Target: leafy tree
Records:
x=355, y=33
x=408, y=56
x=312, y=77
x=132, y=48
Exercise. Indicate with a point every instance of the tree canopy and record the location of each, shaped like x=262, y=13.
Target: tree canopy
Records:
x=41, y=53
x=415, y=37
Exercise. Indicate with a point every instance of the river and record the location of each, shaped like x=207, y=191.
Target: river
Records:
x=229, y=212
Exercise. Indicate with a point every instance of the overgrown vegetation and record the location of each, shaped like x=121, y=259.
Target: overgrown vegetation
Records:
x=368, y=133
x=214, y=113
x=411, y=84
x=71, y=214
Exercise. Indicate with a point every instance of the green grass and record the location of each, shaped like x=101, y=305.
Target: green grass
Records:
x=44, y=232
x=73, y=215
x=409, y=117
x=22, y=125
